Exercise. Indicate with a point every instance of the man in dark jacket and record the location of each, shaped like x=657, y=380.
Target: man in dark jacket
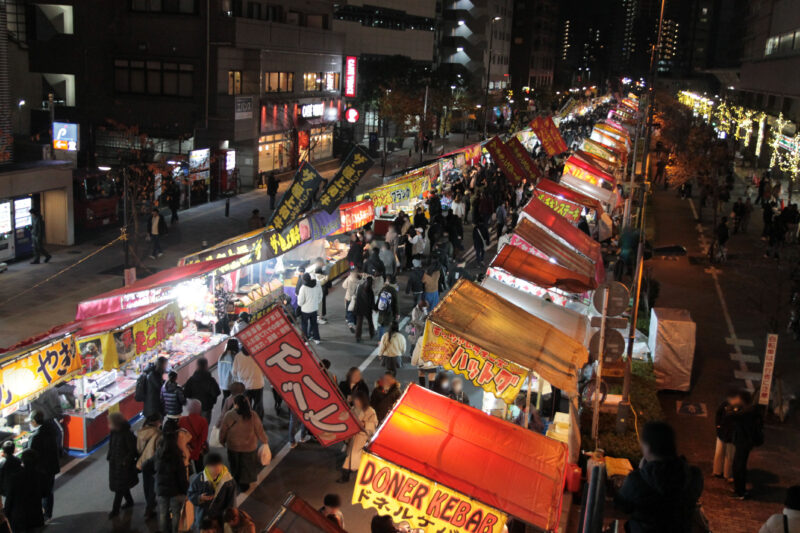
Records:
x=37, y=236
x=457, y=273
x=661, y=495
x=387, y=305
x=171, y=478
x=374, y=266
x=434, y=205
x=172, y=396
x=23, y=505
x=364, y=306
x=154, y=380
x=157, y=228
x=480, y=239
x=212, y=491
x=748, y=433
x=44, y=441
x=272, y=189
x=387, y=392
x=415, y=285
x=9, y=466
x=202, y=386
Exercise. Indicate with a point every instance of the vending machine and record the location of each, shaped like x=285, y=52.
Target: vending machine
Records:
x=6, y=231
x=23, y=243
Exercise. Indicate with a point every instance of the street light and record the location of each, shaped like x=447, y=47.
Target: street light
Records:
x=488, y=75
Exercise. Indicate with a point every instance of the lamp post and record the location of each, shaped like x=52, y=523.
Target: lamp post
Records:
x=488, y=74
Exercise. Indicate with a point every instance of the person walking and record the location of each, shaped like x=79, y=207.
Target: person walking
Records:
x=197, y=426
x=392, y=348
x=388, y=259
x=37, y=236
x=242, y=321
x=355, y=254
x=152, y=380
x=225, y=367
x=350, y=284
x=172, y=396
x=241, y=433
x=221, y=300
x=308, y=300
x=157, y=229
x=147, y=439
x=23, y=505
x=723, y=452
x=10, y=465
x=272, y=189
x=748, y=433
x=387, y=305
x=246, y=371
x=431, y=282
x=121, y=457
x=174, y=203
x=787, y=521
x=385, y=395
x=480, y=238
x=44, y=441
x=352, y=384
x=364, y=306
x=662, y=494
x=321, y=272
x=368, y=420
x=212, y=491
x=415, y=286
x=202, y=386
x=171, y=480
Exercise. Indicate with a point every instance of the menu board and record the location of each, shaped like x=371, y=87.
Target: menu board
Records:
x=22, y=212
x=5, y=217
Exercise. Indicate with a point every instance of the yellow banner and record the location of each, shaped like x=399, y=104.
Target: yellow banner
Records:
x=420, y=502
x=37, y=370
x=502, y=378
x=400, y=191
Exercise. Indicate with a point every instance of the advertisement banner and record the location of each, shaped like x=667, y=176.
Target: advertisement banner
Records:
x=314, y=226
x=356, y=214
x=420, y=502
x=524, y=159
x=353, y=168
x=295, y=200
x=548, y=134
x=574, y=167
x=485, y=370
x=298, y=377
x=37, y=370
x=505, y=161
x=400, y=191
x=568, y=210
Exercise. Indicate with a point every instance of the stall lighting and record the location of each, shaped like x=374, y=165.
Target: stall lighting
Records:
x=460, y=22
x=104, y=169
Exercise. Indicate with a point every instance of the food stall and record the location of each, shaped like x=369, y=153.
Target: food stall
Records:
x=440, y=465
x=600, y=150
x=566, y=202
x=579, y=167
x=403, y=193
x=352, y=216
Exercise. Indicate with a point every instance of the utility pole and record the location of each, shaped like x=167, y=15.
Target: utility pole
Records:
x=488, y=75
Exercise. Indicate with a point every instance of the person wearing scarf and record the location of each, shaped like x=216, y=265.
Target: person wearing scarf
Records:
x=212, y=491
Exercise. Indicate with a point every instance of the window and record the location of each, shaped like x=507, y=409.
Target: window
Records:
x=187, y=7
x=234, y=82
x=332, y=81
x=313, y=81
x=153, y=77
x=278, y=82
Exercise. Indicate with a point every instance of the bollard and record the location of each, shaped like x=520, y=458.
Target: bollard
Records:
x=227, y=207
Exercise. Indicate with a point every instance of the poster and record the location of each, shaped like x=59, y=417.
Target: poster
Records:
x=487, y=371
x=419, y=501
x=298, y=377
x=524, y=159
x=505, y=160
x=353, y=168
x=37, y=370
x=299, y=196
x=548, y=134
x=769, y=368
x=566, y=209
x=355, y=214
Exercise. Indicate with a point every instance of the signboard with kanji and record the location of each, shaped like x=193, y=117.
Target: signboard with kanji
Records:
x=565, y=208
x=420, y=502
x=297, y=198
x=299, y=378
x=353, y=168
x=505, y=160
x=769, y=368
x=548, y=134
x=524, y=159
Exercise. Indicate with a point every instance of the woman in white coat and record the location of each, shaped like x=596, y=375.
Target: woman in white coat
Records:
x=369, y=421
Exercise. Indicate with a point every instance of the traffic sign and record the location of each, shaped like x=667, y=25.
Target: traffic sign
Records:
x=618, y=298
x=351, y=115
x=614, y=345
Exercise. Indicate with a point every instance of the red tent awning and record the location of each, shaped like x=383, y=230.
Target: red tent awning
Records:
x=110, y=302
x=112, y=321
x=575, y=197
x=505, y=466
x=541, y=272
x=589, y=167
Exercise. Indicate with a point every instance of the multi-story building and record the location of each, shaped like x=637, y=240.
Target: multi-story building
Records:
x=669, y=46
x=255, y=77
x=534, y=44
x=583, y=43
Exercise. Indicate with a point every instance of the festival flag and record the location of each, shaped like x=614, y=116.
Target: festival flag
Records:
x=297, y=198
x=355, y=165
x=547, y=132
x=505, y=160
x=524, y=159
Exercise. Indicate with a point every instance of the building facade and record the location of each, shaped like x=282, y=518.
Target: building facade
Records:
x=534, y=44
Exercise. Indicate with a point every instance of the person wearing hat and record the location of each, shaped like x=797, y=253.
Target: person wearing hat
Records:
x=789, y=520
x=44, y=441
x=37, y=236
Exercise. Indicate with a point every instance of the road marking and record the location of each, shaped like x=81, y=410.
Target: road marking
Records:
x=694, y=210
x=739, y=342
x=747, y=375
x=746, y=358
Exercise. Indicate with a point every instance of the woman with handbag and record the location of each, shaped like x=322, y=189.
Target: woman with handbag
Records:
x=369, y=421
x=392, y=348
x=240, y=433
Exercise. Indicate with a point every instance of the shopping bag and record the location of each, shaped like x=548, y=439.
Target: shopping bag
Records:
x=187, y=516
x=213, y=438
x=264, y=454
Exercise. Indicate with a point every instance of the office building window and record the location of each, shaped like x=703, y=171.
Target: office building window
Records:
x=234, y=82
x=278, y=82
x=153, y=77
x=187, y=7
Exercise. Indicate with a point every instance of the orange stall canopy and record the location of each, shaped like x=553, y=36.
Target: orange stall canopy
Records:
x=546, y=243
x=502, y=465
x=569, y=195
x=112, y=301
x=576, y=165
x=509, y=332
x=541, y=272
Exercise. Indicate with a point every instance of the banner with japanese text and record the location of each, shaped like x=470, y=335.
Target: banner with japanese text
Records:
x=585, y=172
x=420, y=502
x=355, y=215
x=548, y=134
x=298, y=377
x=297, y=198
x=566, y=209
x=502, y=378
x=524, y=159
x=251, y=246
x=353, y=168
x=314, y=226
x=505, y=160
x=37, y=370
x=402, y=190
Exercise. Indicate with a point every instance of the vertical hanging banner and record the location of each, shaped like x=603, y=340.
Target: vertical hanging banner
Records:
x=297, y=198
x=505, y=160
x=298, y=377
x=353, y=168
x=524, y=159
x=547, y=132
x=769, y=368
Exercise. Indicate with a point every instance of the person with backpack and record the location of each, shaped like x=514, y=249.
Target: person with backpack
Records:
x=148, y=388
x=748, y=433
x=387, y=305
x=374, y=266
x=364, y=306
x=172, y=396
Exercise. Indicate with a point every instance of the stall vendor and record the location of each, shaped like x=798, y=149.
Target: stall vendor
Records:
x=221, y=300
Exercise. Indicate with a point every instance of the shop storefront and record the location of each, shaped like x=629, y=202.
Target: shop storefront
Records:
x=274, y=152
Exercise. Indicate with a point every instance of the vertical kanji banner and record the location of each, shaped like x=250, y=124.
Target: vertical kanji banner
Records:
x=297, y=198
x=298, y=377
x=547, y=132
x=504, y=160
x=353, y=168
x=524, y=159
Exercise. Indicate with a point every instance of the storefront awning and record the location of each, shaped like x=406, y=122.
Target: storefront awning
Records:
x=112, y=301
x=575, y=197
x=580, y=167
x=497, y=463
x=540, y=239
x=541, y=272
x=500, y=327
x=602, y=195
x=111, y=321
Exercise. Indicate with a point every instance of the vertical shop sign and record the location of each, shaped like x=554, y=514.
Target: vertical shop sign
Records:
x=355, y=165
x=350, y=76
x=769, y=368
x=297, y=198
x=524, y=159
x=505, y=160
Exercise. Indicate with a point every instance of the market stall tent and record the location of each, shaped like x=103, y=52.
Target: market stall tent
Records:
x=602, y=195
x=502, y=465
x=569, y=195
x=541, y=272
x=537, y=240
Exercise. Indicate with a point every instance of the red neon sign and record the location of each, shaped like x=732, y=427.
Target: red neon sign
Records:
x=350, y=70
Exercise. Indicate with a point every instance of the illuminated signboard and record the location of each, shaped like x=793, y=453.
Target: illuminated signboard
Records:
x=199, y=164
x=22, y=212
x=5, y=217
x=65, y=136
x=351, y=115
x=312, y=110
x=230, y=160
x=350, y=71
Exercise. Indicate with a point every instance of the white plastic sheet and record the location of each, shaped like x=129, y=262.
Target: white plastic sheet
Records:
x=672, y=342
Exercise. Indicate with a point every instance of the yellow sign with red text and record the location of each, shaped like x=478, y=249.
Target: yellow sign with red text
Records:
x=419, y=501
